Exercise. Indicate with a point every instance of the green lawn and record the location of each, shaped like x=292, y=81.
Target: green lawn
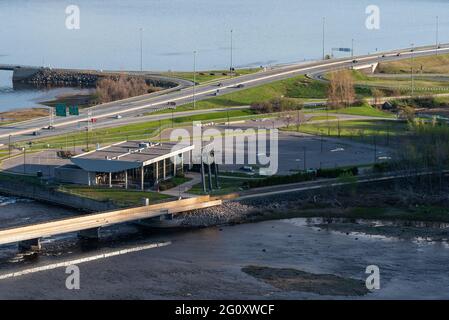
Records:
x=136, y=131
x=120, y=197
x=321, y=118
x=354, y=128
x=362, y=110
x=207, y=76
x=430, y=64
x=400, y=84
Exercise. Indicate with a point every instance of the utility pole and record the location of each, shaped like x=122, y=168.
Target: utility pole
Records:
x=305, y=160
x=9, y=145
x=437, y=34
x=352, y=48
x=324, y=24
x=232, y=58
x=194, y=80
x=141, y=49
x=412, y=71
x=24, y=160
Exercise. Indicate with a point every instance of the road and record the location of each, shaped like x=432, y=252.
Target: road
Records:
x=130, y=108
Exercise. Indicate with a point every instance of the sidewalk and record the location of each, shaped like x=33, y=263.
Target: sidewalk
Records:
x=185, y=187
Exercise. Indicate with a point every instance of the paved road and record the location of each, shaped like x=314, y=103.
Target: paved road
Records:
x=151, y=103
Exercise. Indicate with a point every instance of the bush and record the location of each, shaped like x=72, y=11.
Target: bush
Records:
x=275, y=105
x=302, y=177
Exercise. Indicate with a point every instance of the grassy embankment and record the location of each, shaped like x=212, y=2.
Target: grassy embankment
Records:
x=19, y=115
x=435, y=64
x=120, y=197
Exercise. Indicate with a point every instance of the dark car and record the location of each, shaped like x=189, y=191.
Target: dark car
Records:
x=240, y=86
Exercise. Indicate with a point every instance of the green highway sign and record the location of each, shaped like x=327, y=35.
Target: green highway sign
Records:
x=74, y=111
x=61, y=110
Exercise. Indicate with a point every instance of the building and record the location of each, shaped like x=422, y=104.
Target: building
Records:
x=136, y=164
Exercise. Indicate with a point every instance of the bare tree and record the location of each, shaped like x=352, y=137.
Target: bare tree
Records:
x=341, y=92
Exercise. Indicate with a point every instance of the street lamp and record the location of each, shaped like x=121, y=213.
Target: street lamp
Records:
x=437, y=34
x=324, y=24
x=232, y=48
x=412, y=71
x=194, y=79
x=141, y=49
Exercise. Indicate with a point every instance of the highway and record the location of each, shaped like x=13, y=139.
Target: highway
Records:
x=131, y=110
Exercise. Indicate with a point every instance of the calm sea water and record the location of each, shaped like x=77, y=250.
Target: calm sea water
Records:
x=265, y=32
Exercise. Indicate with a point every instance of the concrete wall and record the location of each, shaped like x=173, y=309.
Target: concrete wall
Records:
x=48, y=195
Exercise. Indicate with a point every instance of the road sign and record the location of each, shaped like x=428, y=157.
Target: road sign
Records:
x=61, y=110
x=74, y=111
x=342, y=49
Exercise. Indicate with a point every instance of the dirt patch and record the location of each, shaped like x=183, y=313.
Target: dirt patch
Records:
x=22, y=115
x=297, y=280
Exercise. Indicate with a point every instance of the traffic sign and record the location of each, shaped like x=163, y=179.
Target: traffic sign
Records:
x=74, y=111
x=61, y=110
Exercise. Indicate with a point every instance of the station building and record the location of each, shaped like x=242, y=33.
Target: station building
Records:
x=130, y=164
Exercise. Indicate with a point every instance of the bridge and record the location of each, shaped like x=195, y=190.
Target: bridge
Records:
x=88, y=226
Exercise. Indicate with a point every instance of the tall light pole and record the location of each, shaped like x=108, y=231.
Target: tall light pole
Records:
x=232, y=49
x=141, y=49
x=324, y=24
x=194, y=79
x=437, y=34
x=352, y=48
x=412, y=71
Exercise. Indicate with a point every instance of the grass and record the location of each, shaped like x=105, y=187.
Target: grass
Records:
x=9, y=117
x=362, y=110
x=321, y=118
x=19, y=178
x=135, y=131
x=208, y=76
x=227, y=186
x=120, y=197
x=430, y=64
x=300, y=88
x=354, y=128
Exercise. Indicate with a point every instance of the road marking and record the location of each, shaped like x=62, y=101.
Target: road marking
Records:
x=83, y=260
x=296, y=70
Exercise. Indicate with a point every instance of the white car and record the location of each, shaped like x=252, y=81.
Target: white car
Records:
x=118, y=116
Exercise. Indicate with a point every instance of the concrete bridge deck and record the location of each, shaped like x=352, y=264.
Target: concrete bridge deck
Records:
x=94, y=221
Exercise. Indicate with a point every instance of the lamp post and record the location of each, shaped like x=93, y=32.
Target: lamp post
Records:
x=194, y=79
x=232, y=49
x=141, y=49
x=412, y=71
x=324, y=24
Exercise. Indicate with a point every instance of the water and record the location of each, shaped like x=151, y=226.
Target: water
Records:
x=206, y=264
x=265, y=32
x=28, y=97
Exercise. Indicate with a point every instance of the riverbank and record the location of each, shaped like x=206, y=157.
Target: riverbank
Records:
x=418, y=212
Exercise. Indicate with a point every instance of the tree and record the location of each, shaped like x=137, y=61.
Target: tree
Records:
x=377, y=96
x=341, y=92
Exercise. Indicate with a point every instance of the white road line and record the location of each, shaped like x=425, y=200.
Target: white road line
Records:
x=300, y=69
x=83, y=260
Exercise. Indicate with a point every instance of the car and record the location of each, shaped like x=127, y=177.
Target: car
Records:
x=36, y=133
x=383, y=56
x=118, y=116
x=239, y=86
x=247, y=169
x=398, y=54
x=354, y=61
x=219, y=84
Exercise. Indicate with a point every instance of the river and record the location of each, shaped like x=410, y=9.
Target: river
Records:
x=264, y=32
x=207, y=263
